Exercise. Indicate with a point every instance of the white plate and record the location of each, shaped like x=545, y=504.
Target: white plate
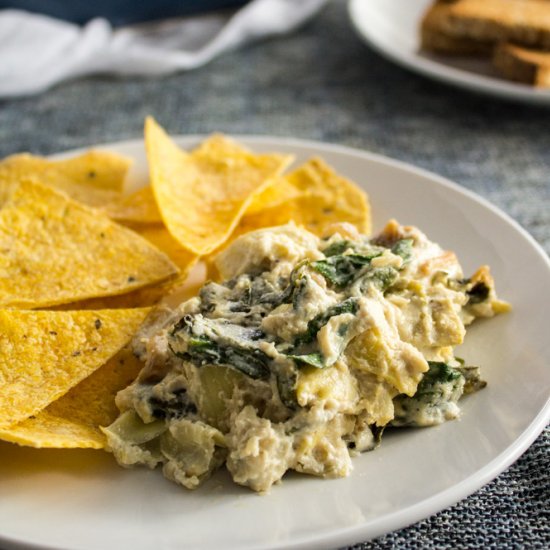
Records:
x=82, y=500
x=391, y=28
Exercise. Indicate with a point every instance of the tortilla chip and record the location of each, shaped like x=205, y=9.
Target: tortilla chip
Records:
x=327, y=198
x=152, y=294
x=43, y=354
x=202, y=196
x=94, y=178
x=279, y=191
x=219, y=146
x=55, y=251
x=318, y=198
x=73, y=420
x=142, y=297
x=86, y=195
x=159, y=236
x=99, y=169
x=137, y=207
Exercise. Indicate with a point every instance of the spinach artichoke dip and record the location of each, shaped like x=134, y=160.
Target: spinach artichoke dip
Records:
x=301, y=356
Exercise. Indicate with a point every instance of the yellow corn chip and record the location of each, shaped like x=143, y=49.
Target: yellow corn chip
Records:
x=142, y=297
x=137, y=207
x=85, y=194
x=43, y=354
x=99, y=169
x=326, y=198
x=94, y=178
x=279, y=191
x=202, y=196
x=321, y=198
x=219, y=146
x=55, y=251
x=159, y=236
x=318, y=197
x=314, y=212
x=73, y=421
x=152, y=294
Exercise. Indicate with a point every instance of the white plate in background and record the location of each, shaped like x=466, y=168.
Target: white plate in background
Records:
x=391, y=27
x=81, y=500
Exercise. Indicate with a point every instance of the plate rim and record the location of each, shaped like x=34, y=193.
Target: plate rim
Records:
x=435, y=503
x=446, y=74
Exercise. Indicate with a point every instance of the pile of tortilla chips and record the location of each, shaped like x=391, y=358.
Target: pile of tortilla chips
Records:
x=82, y=261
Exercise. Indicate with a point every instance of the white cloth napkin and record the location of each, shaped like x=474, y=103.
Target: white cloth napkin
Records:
x=37, y=52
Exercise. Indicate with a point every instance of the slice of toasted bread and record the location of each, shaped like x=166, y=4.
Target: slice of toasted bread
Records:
x=525, y=22
x=523, y=65
x=433, y=39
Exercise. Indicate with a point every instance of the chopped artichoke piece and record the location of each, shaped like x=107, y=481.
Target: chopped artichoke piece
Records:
x=134, y=442
x=193, y=450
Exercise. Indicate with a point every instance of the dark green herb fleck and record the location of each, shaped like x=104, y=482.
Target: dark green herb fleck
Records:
x=342, y=329
x=299, y=292
x=184, y=324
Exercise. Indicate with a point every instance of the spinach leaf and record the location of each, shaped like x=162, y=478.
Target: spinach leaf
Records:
x=203, y=351
x=286, y=386
x=381, y=277
x=295, y=286
x=439, y=373
x=478, y=293
x=437, y=394
x=342, y=269
x=472, y=376
x=337, y=248
x=351, y=305
x=403, y=248
x=185, y=324
x=299, y=293
x=176, y=405
x=313, y=359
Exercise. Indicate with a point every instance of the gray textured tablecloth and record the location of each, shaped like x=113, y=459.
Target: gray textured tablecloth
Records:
x=322, y=83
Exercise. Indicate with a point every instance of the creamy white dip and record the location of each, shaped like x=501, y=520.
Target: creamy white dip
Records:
x=301, y=355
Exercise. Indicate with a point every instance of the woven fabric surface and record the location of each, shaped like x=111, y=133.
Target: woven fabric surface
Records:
x=322, y=83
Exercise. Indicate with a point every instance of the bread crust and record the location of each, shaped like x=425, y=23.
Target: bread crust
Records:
x=434, y=40
x=522, y=64
x=525, y=22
